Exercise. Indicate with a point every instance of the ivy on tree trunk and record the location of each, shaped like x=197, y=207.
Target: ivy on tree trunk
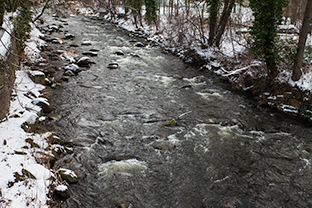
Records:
x=267, y=16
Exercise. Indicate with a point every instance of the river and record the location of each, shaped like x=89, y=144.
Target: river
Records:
x=146, y=138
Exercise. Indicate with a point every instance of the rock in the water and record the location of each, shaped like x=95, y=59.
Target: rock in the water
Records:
x=69, y=36
x=45, y=106
x=74, y=45
x=177, y=76
x=113, y=65
x=86, y=43
x=56, y=41
x=94, y=50
x=53, y=117
x=134, y=55
x=171, y=122
x=139, y=44
x=187, y=87
x=37, y=77
x=69, y=175
x=120, y=53
x=89, y=53
x=69, y=73
x=73, y=67
x=84, y=62
x=61, y=191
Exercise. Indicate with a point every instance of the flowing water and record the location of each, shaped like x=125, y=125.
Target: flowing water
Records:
x=145, y=138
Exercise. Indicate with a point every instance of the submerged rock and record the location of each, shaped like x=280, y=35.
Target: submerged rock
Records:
x=53, y=117
x=171, y=122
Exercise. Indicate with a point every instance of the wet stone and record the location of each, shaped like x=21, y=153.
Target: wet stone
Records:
x=68, y=175
x=37, y=77
x=86, y=43
x=53, y=117
x=69, y=73
x=177, y=76
x=89, y=53
x=112, y=65
x=61, y=192
x=139, y=44
x=69, y=36
x=73, y=67
x=84, y=62
x=56, y=41
x=46, y=107
x=119, y=53
x=74, y=45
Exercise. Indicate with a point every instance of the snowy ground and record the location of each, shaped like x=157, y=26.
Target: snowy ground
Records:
x=23, y=182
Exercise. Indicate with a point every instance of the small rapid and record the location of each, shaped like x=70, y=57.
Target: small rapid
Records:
x=157, y=133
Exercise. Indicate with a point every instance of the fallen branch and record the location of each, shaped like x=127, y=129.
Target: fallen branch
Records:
x=41, y=13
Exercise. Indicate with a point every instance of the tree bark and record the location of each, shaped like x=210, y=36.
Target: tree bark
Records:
x=228, y=6
x=302, y=42
x=213, y=20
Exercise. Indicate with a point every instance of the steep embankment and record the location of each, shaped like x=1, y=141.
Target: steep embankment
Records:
x=7, y=77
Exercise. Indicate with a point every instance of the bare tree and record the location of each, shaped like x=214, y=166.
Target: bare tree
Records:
x=302, y=41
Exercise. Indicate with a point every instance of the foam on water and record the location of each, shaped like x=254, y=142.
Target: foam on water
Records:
x=210, y=95
x=107, y=170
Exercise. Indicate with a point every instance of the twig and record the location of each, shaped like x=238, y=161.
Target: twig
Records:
x=42, y=11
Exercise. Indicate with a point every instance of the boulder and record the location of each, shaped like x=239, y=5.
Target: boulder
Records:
x=139, y=44
x=84, y=62
x=119, y=53
x=61, y=191
x=69, y=175
x=45, y=106
x=37, y=77
x=73, y=67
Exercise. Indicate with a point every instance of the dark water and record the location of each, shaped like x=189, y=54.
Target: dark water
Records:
x=224, y=151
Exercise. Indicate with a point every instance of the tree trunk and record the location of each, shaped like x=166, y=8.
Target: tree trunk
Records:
x=228, y=6
x=302, y=41
x=213, y=19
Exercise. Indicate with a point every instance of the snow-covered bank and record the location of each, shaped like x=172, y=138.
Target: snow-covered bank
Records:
x=24, y=182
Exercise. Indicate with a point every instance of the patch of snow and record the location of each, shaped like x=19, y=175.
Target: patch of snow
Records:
x=16, y=153
x=33, y=44
x=5, y=40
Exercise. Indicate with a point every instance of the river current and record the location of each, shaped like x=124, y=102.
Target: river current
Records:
x=145, y=138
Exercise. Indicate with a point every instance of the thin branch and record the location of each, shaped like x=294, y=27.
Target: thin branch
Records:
x=42, y=11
